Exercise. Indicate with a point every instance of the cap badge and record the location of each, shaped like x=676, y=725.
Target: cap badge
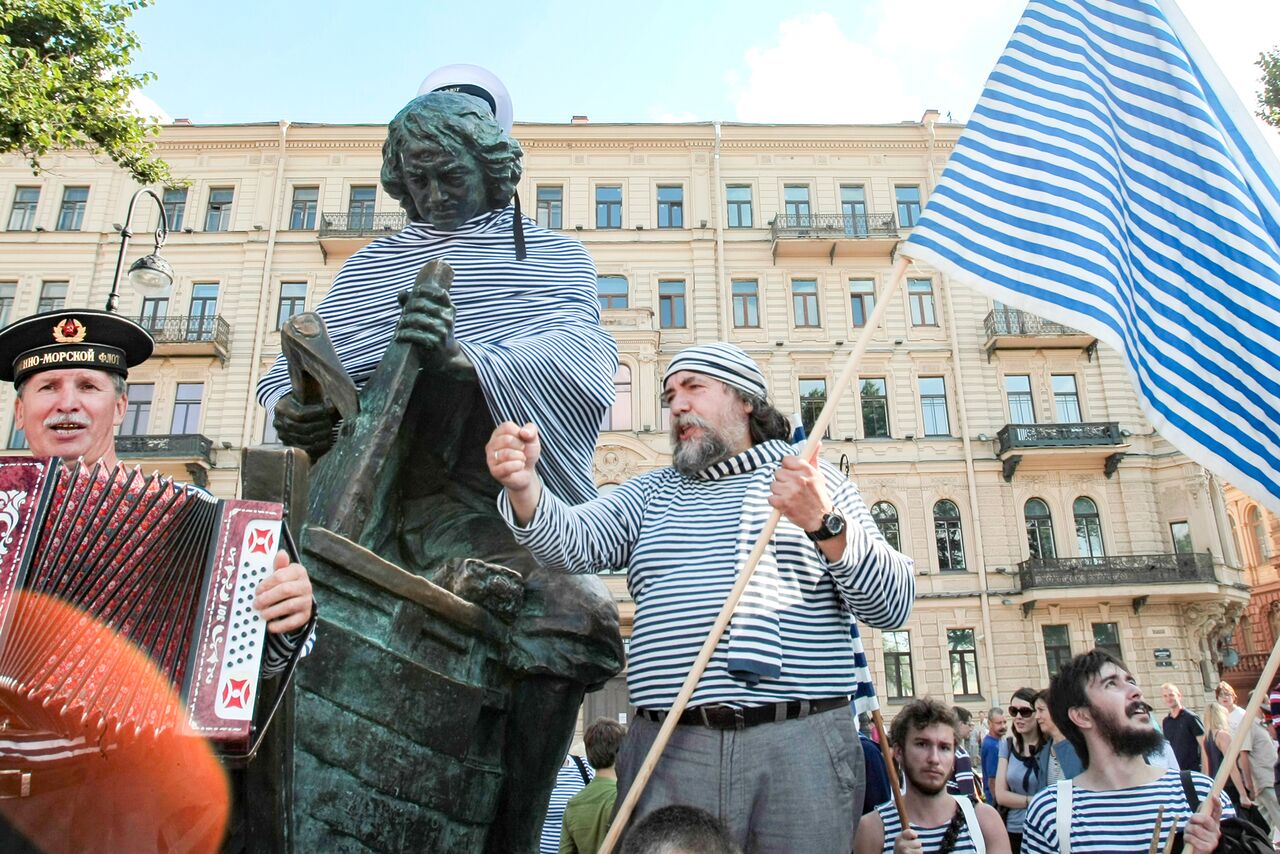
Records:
x=69, y=331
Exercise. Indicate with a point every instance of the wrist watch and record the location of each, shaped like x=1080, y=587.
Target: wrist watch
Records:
x=832, y=526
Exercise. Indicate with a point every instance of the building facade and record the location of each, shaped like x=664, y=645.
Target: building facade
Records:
x=1005, y=453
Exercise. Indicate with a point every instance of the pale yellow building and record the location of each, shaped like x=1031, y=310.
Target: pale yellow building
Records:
x=977, y=433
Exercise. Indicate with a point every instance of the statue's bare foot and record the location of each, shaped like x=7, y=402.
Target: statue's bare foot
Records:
x=498, y=590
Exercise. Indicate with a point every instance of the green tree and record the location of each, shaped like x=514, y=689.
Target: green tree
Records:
x=1269, y=97
x=65, y=83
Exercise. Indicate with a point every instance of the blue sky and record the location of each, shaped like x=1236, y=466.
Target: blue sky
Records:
x=659, y=60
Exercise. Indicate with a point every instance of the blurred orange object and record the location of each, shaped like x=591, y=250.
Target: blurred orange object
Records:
x=93, y=778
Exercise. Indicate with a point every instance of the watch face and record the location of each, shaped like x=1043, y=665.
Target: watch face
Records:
x=834, y=523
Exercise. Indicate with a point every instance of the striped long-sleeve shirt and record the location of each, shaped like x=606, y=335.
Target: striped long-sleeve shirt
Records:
x=677, y=537
x=531, y=328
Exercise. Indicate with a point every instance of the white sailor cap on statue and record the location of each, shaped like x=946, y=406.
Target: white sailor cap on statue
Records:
x=477, y=82
x=728, y=363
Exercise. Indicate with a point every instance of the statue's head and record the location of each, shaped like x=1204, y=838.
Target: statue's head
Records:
x=446, y=160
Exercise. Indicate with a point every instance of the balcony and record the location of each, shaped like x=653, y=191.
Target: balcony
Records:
x=1011, y=329
x=1134, y=577
x=343, y=233
x=185, y=456
x=833, y=235
x=1058, y=443
x=190, y=335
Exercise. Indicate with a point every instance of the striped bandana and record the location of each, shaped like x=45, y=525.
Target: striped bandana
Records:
x=728, y=363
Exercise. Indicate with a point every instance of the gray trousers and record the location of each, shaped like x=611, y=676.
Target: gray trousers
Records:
x=791, y=786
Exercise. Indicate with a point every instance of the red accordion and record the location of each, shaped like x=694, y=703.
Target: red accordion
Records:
x=164, y=566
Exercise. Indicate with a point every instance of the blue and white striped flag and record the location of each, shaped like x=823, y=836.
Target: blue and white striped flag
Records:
x=1110, y=179
x=798, y=434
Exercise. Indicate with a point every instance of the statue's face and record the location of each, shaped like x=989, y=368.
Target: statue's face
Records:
x=447, y=188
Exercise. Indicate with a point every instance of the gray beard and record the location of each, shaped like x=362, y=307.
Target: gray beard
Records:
x=694, y=455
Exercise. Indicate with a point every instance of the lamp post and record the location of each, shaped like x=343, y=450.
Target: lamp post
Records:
x=150, y=273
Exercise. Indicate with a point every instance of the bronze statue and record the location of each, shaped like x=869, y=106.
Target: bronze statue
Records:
x=440, y=702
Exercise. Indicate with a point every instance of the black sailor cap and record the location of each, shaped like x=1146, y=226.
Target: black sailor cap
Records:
x=72, y=338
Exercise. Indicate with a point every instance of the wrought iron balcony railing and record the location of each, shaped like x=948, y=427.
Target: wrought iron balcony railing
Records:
x=1101, y=434
x=189, y=329
x=1115, y=570
x=173, y=446
x=1011, y=321
x=834, y=225
x=360, y=224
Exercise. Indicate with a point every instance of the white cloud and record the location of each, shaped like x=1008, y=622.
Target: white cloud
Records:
x=144, y=106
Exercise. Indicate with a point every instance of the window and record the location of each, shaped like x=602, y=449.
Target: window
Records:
x=612, y=291
x=813, y=396
x=947, y=533
x=1039, y=529
x=933, y=406
x=618, y=416
x=360, y=205
x=71, y=214
x=886, y=519
x=23, y=215
x=671, y=207
x=204, y=311
x=746, y=303
x=550, y=206
x=218, y=216
x=738, y=202
x=186, y=408
x=1057, y=647
x=303, y=216
x=897, y=664
x=17, y=439
x=853, y=209
x=608, y=207
x=1017, y=388
x=804, y=301
x=908, y=199
x=1180, y=533
x=962, y=650
x=1088, y=528
x=175, y=207
x=671, y=304
x=862, y=299
x=795, y=205
x=137, y=415
x=875, y=408
x=920, y=296
x=293, y=301
x=1107, y=636
x=1066, y=400
x=1258, y=529
x=53, y=296
x=153, y=314
x=8, y=293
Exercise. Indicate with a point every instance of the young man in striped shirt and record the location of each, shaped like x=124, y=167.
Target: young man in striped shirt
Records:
x=924, y=737
x=1098, y=706
x=769, y=742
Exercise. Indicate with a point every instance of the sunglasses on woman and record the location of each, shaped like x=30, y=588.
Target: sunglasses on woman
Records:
x=1021, y=711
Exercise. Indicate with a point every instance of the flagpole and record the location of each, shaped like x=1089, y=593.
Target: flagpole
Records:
x=886, y=750
x=726, y=612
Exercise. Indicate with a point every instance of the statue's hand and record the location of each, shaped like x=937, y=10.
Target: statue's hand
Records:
x=306, y=426
x=426, y=319
x=498, y=590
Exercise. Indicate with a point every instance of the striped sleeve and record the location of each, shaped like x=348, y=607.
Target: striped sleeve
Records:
x=594, y=537
x=875, y=582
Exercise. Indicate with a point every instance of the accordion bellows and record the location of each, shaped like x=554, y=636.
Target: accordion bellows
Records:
x=164, y=566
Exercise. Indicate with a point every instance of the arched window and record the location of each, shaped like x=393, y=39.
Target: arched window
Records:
x=1088, y=528
x=1258, y=528
x=1039, y=530
x=612, y=291
x=946, y=530
x=886, y=518
x=618, y=416
x=1241, y=557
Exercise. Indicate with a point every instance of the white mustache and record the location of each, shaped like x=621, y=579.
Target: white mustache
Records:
x=77, y=418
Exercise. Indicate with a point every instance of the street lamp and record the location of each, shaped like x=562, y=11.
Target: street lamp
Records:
x=150, y=273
